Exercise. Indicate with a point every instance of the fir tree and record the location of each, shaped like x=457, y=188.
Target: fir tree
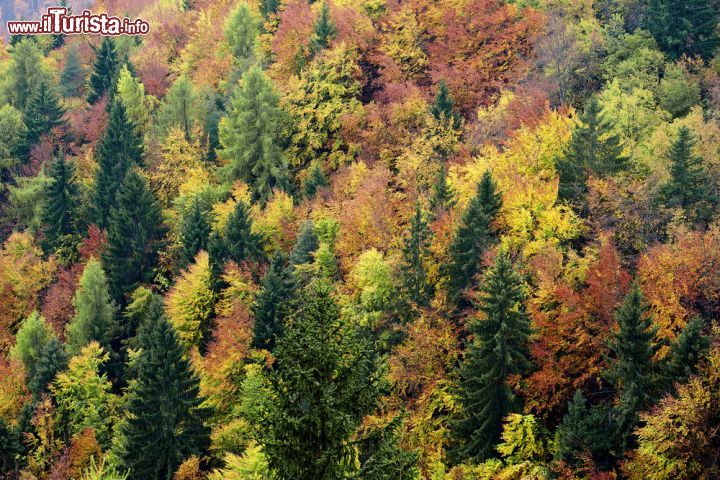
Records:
x=323, y=31
x=94, y=311
x=53, y=360
x=314, y=181
x=251, y=137
x=381, y=457
x=165, y=421
x=443, y=196
x=241, y=30
x=632, y=371
x=473, y=237
x=416, y=248
x=269, y=7
x=43, y=112
x=592, y=149
x=195, y=231
x=118, y=150
x=683, y=27
x=685, y=353
x=307, y=243
x=443, y=106
x=72, y=76
x=105, y=71
x=325, y=380
x=688, y=187
x=586, y=430
x=241, y=242
x=217, y=255
x=499, y=349
x=272, y=304
x=135, y=224
x=60, y=202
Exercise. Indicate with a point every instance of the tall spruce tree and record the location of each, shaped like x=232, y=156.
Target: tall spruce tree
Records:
x=60, y=202
x=94, y=310
x=307, y=243
x=105, y=71
x=323, y=31
x=134, y=228
x=241, y=243
x=416, y=248
x=688, y=187
x=118, y=150
x=251, y=136
x=443, y=196
x=314, y=181
x=684, y=27
x=499, y=349
x=272, y=304
x=592, y=149
x=43, y=112
x=72, y=76
x=685, y=353
x=165, y=421
x=195, y=231
x=443, y=108
x=632, y=369
x=326, y=379
x=472, y=238
x=269, y=7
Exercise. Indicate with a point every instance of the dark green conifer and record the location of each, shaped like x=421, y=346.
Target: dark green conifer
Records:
x=105, y=71
x=60, y=202
x=272, y=304
x=443, y=108
x=685, y=353
x=684, y=27
x=314, y=181
x=269, y=7
x=43, y=112
x=415, y=250
x=586, y=430
x=72, y=77
x=499, y=349
x=443, y=196
x=382, y=458
x=323, y=31
x=307, y=243
x=473, y=237
x=241, y=242
x=195, y=231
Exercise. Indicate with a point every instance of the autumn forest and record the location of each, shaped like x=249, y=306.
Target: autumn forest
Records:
x=363, y=239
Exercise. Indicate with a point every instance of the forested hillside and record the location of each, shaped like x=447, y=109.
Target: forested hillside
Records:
x=363, y=239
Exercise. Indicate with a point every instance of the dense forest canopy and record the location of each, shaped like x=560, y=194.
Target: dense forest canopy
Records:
x=363, y=239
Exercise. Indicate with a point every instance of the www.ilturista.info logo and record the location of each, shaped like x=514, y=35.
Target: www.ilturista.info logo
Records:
x=56, y=21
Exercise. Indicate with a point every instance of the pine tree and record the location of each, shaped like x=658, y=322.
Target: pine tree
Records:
x=592, y=149
x=165, y=422
x=72, y=77
x=195, y=231
x=105, y=71
x=135, y=224
x=683, y=27
x=315, y=180
x=272, y=304
x=443, y=196
x=119, y=149
x=499, y=349
x=323, y=31
x=251, y=137
x=306, y=244
x=60, y=202
x=43, y=112
x=688, y=187
x=416, y=248
x=240, y=241
x=473, y=237
x=443, y=106
x=632, y=371
x=94, y=311
x=685, y=353
x=332, y=374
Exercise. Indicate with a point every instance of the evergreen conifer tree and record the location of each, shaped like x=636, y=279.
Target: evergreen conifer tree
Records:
x=165, y=422
x=269, y=7
x=60, y=202
x=315, y=180
x=43, y=112
x=251, y=136
x=381, y=457
x=272, y=304
x=241, y=30
x=118, y=150
x=685, y=353
x=72, y=76
x=414, y=275
x=195, y=231
x=586, y=430
x=499, y=349
x=332, y=372
x=241, y=242
x=307, y=243
x=217, y=255
x=105, y=71
x=592, y=149
x=632, y=371
x=323, y=31
x=443, y=106
x=442, y=194
x=684, y=27
x=473, y=237
x=53, y=360
x=94, y=311
x=135, y=224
